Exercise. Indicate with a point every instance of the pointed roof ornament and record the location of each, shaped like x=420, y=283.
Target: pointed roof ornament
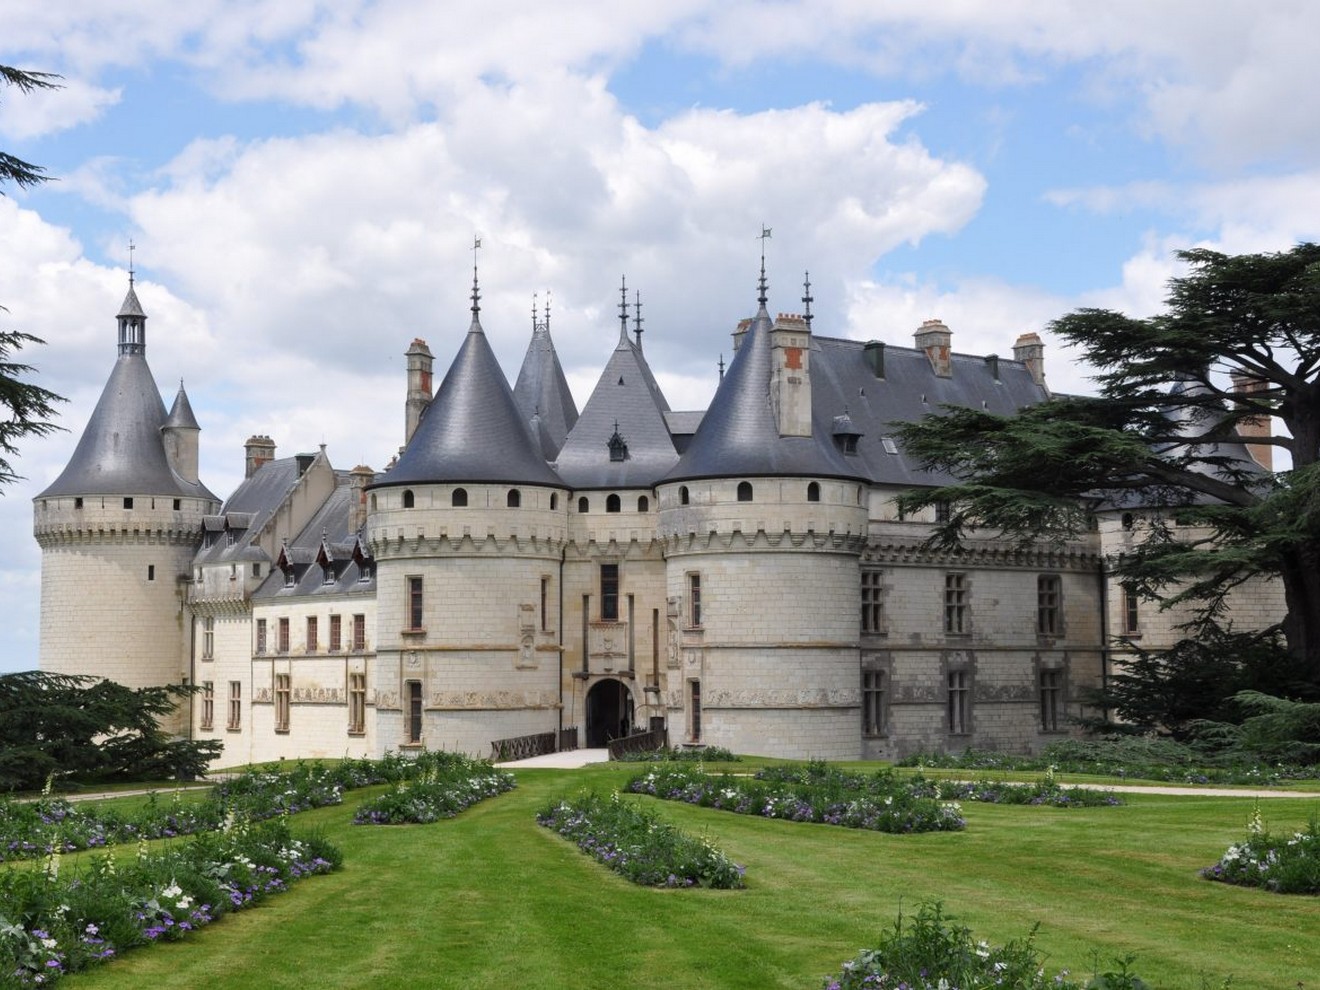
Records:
x=623, y=309
x=131, y=247
x=763, y=295
x=547, y=310
x=536, y=324
x=476, y=291
x=637, y=317
x=807, y=298
x=721, y=366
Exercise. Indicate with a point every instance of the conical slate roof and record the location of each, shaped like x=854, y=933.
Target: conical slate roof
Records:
x=181, y=415
x=542, y=393
x=739, y=434
x=121, y=451
x=473, y=430
x=628, y=400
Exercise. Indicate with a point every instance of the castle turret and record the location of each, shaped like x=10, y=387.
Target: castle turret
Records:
x=118, y=527
x=542, y=392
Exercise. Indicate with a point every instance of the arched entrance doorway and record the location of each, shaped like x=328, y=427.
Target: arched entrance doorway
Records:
x=609, y=712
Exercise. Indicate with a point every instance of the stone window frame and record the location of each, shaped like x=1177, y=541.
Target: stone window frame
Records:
x=959, y=697
x=694, y=709
x=875, y=696
x=313, y=640
x=692, y=595
x=336, y=644
x=611, y=577
x=1052, y=695
x=957, y=604
x=874, y=592
x=357, y=703
x=414, y=603
x=208, y=637
x=1049, y=606
x=260, y=649
x=283, y=701
x=208, y=706
x=235, y=721
x=359, y=633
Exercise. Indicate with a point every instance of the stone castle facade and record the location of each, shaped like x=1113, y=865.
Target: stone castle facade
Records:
x=738, y=576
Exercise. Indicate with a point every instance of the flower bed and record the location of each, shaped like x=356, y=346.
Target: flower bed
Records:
x=35, y=828
x=634, y=843
x=709, y=754
x=53, y=923
x=930, y=952
x=805, y=795
x=448, y=783
x=1285, y=865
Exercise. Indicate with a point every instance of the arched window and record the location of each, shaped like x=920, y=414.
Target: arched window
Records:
x=408, y=498
x=515, y=498
x=744, y=491
x=643, y=503
x=459, y=498
x=554, y=501
x=813, y=492
x=612, y=503
x=683, y=495
x=584, y=505
x=373, y=503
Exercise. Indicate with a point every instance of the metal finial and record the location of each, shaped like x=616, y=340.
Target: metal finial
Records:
x=623, y=307
x=131, y=248
x=476, y=292
x=807, y=298
x=721, y=366
x=535, y=323
x=765, y=236
x=637, y=317
x=547, y=310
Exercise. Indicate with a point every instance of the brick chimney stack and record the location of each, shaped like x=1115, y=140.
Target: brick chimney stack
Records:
x=1254, y=426
x=420, y=363
x=936, y=340
x=1030, y=350
x=259, y=450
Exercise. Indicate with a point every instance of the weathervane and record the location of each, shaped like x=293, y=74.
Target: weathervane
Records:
x=131, y=247
x=765, y=236
x=476, y=293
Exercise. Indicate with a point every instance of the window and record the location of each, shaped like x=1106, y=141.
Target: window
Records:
x=694, y=710
x=336, y=633
x=357, y=704
x=208, y=704
x=612, y=503
x=694, y=599
x=514, y=500
x=682, y=495
x=1127, y=520
x=77, y=503
x=408, y=500
x=414, y=721
x=282, y=644
x=1131, y=611
x=584, y=504
x=958, y=702
x=554, y=501
x=359, y=633
x=311, y=634
x=231, y=537
x=290, y=576
x=1051, y=699
x=545, y=594
x=235, y=705
x=873, y=702
x=282, y=702
x=261, y=635
x=643, y=503
x=151, y=572
x=415, y=603
x=178, y=503
x=256, y=570
x=873, y=604
x=459, y=499
x=955, y=604
x=813, y=492
x=744, y=491
x=943, y=511
x=1048, y=619
x=128, y=502
x=609, y=592
x=208, y=638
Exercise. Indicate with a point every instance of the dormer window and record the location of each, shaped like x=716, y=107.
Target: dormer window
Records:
x=618, y=446
x=290, y=577
x=327, y=574
x=846, y=435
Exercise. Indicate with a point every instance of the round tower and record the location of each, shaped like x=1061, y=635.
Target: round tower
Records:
x=763, y=521
x=467, y=530
x=118, y=529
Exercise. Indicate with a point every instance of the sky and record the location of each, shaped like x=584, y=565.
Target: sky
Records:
x=303, y=181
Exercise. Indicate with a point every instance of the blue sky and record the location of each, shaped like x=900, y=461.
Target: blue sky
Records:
x=303, y=180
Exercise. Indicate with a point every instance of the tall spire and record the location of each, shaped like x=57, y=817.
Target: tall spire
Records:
x=623, y=309
x=763, y=296
x=807, y=298
x=637, y=317
x=476, y=292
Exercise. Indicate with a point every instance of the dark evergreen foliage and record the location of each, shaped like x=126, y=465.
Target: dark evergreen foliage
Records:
x=91, y=729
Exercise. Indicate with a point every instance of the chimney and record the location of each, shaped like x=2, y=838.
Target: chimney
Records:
x=992, y=362
x=740, y=333
x=1030, y=351
x=874, y=356
x=259, y=450
x=790, y=370
x=935, y=338
x=1252, y=427
x=358, y=479
x=420, y=362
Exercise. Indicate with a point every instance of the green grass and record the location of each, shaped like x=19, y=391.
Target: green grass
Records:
x=489, y=899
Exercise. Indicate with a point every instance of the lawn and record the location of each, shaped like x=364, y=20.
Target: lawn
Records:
x=489, y=899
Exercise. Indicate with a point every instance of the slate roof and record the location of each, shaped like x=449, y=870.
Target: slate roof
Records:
x=628, y=399
x=121, y=451
x=326, y=557
x=181, y=414
x=542, y=393
x=249, y=508
x=473, y=430
x=739, y=434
